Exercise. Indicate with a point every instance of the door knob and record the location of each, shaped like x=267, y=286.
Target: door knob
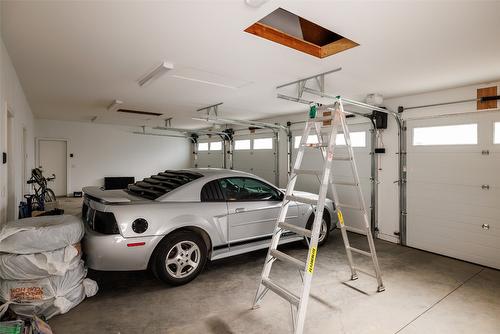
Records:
x=486, y=226
x=238, y=210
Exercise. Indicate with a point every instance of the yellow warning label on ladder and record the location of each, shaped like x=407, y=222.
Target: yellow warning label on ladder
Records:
x=312, y=259
x=341, y=217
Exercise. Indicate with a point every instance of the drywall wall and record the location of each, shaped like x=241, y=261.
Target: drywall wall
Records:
x=15, y=115
x=101, y=150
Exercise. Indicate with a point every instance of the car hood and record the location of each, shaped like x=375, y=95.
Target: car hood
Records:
x=112, y=196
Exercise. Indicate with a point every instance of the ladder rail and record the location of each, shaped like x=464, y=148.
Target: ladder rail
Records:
x=281, y=218
x=333, y=137
x=361, y=199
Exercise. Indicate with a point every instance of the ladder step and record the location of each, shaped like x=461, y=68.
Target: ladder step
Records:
x=322, y=119
x=341, y=183
x=300, y=199
x=281, y=291
x=349, y=206
x=341, y=158
x=295, y=229
x=315, y=145
x=360, y=251
x=308, y=172
x=355, y=230
x=365, y=272
x=287, y=258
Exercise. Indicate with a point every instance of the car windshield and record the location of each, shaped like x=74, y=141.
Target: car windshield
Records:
x=158, y=185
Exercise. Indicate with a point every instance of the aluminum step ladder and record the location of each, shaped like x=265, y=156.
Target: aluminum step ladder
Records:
x=298, y=303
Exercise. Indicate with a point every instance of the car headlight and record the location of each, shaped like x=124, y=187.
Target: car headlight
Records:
x=140, y=225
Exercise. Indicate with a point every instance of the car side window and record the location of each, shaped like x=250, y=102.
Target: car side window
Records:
x=248, y=189
x=212, y=192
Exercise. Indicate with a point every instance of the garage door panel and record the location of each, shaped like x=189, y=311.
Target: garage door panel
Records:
x=456, y=198
x=468, y=225
x=449, y=242
x=468, y=167
x=210, y=159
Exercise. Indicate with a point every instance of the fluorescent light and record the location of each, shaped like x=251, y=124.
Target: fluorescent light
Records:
x=114, y=105
x=155, y=74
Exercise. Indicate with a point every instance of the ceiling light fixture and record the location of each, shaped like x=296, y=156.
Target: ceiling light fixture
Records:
x=155, y=74
x=255, y=3
x=114, y=105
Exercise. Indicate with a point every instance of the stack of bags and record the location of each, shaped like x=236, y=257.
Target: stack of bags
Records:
x=41, y=270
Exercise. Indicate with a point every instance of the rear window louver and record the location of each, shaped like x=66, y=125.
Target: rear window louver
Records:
x=158, y=185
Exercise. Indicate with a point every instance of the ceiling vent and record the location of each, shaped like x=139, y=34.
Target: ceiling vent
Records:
x=294, y=31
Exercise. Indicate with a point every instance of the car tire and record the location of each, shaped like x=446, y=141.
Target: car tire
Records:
x=326, y=225
x=179, y=258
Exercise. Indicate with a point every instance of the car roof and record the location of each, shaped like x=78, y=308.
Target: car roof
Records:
x=191, y=191
x=218, y=172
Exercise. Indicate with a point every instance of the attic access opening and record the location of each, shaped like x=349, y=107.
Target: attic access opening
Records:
x=286, y=28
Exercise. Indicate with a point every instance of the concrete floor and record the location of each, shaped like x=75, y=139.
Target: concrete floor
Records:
x=425, y=293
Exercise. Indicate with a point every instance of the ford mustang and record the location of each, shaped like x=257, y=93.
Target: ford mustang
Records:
x=175, y=221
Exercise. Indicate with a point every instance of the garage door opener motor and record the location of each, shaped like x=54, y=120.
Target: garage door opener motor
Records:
x=298, y=302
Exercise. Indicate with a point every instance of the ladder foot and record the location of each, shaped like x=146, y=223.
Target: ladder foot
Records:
x=381, y=288
x=354, y=277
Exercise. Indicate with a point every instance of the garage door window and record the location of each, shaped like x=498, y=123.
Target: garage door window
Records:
x=216, y=146
x=463, y=134
x=358, y=139
x=311, y=139
x=263, y=144
x=496, y=140
x=202, y=147
x=243, y=144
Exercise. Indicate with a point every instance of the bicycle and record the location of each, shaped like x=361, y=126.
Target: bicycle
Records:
x=43, y=194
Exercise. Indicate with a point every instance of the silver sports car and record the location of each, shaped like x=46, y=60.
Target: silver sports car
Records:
x=173, y=222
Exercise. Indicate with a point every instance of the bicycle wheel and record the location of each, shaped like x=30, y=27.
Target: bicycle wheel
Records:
x=49, y=196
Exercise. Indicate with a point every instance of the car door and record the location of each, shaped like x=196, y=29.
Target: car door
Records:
x=253, y=207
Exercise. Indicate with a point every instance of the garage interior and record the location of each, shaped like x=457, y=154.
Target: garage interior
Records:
x=99, y=93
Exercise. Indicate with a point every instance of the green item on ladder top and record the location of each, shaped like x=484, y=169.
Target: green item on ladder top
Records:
x=312, y=111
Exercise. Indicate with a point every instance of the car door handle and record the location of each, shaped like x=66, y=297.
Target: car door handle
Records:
x=238, y=210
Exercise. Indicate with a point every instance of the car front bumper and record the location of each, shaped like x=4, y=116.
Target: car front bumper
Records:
x=116, y=253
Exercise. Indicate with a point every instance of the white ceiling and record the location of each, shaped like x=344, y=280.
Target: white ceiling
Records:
x=75, y=58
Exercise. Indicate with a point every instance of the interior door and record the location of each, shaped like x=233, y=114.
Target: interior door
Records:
x=253, y=208
x=52, y=159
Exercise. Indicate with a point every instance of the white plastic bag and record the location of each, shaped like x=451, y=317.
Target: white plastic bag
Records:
x=42, y=289
x=40, y=234
x=39, y=265
x=48, y=296
x=56, y=305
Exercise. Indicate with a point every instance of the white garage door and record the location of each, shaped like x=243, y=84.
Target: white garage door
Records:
x=256, y=154
x=210, y=154
x=361, y=141
x=453, y=186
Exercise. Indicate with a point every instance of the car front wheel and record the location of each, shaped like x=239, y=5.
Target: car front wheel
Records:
x=180, y=258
